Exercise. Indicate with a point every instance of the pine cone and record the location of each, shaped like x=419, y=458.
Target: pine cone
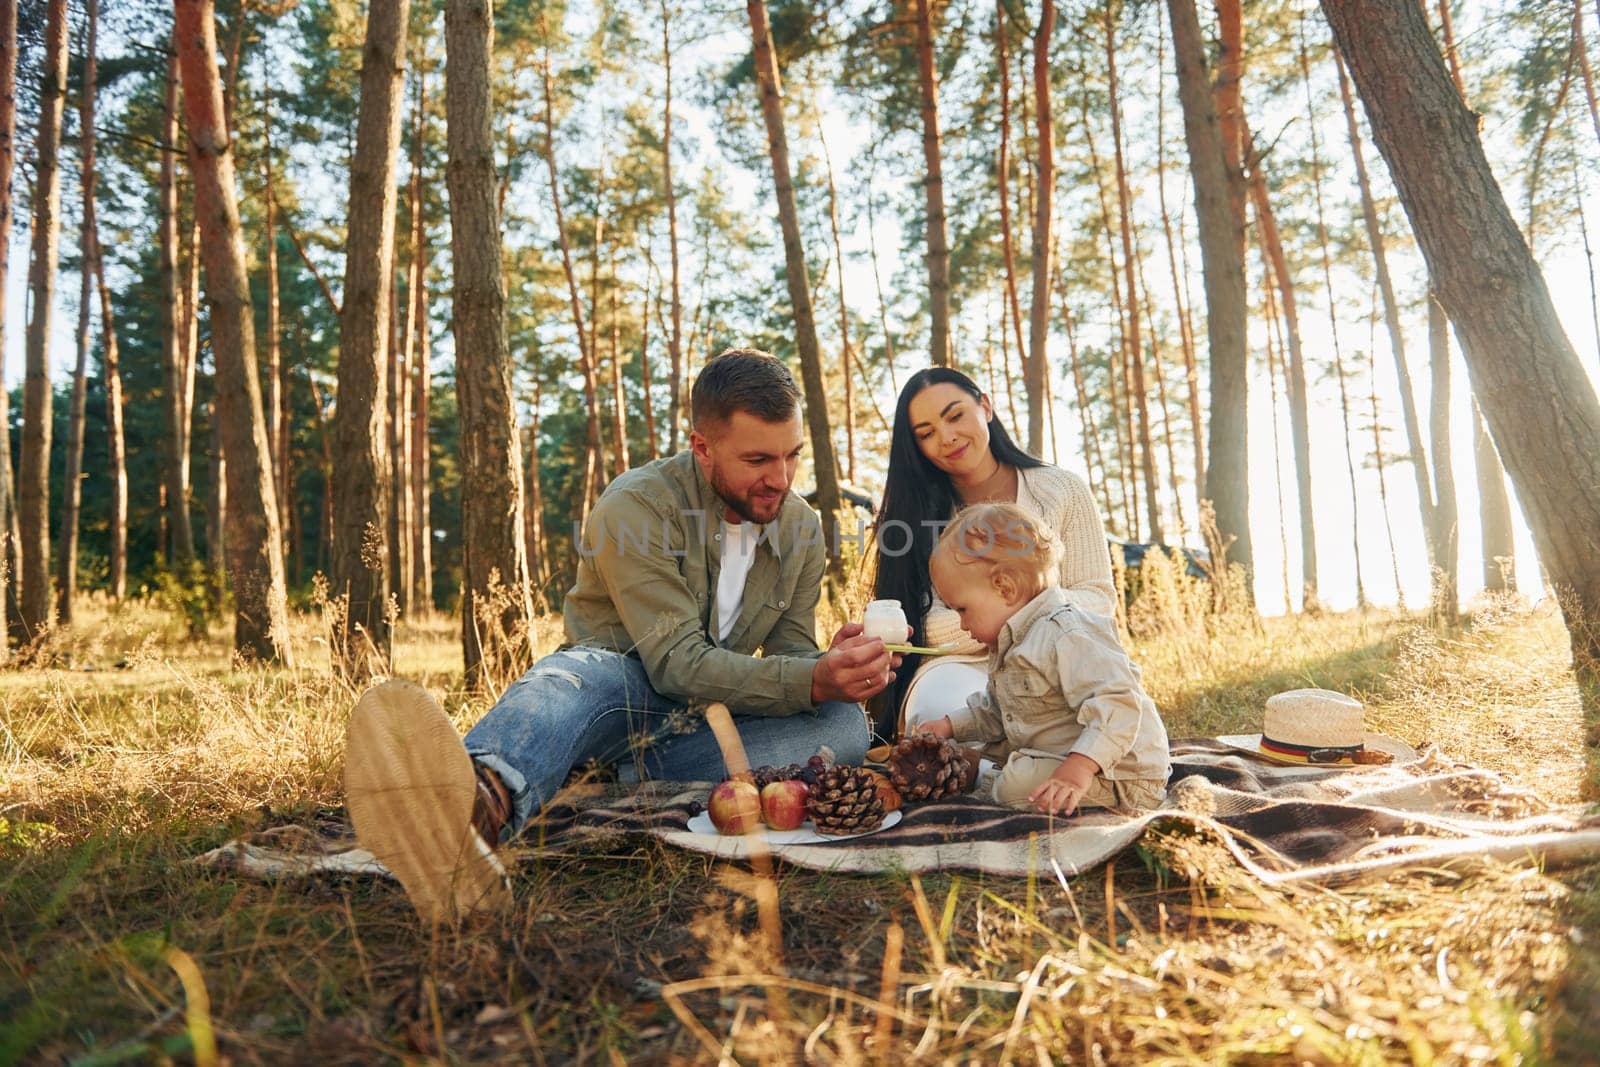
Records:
x=924, y=767
x=845, y=800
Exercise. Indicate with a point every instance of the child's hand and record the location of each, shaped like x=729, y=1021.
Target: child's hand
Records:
x=1063, y=789
x=940, y=727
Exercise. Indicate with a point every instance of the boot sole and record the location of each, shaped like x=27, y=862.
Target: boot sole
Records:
x=409, y=787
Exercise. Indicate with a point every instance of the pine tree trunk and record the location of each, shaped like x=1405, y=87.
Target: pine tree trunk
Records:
x=844, y=315
x=1537, y=400
x=1333, y=318
x=1581, y=48
x=586, y=357
x=644, y=372
x=675, y=371
x=1444, y=512
x=619, y=405
x=1093, y=458
x=805, y=323
x=1274, y=347
x=216, y=512
x=276, y=401
x=8, y=156
x=1494, y=503
x=1294, y=371
x=255, y=561
x=1037, y=364
x=1222, y=261
x=187, y=343
x=1494, y=510
x=421, y=454
x=1161, y=401
x=72, y=482
x=1391, y=319
x=534, y=524
x=933, y=188
x=361, y=565
x=1179, y=283
x=33, y=494
x=493, y=624
x=1134, y=353
x=877, y=280
x=1003, y=181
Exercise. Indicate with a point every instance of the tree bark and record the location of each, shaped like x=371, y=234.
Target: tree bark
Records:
x=1003, y=182
x=8, y=156
x=277, y=401
x=72, y=482
x=823, y=458
x=33, y=495
x=619, y=402
x=844, y=315
x=1221, y=239
x=675, y=371
x=586, y=357
x=1037, y=365
x=933, y=190
x=494, y=622
x=1391, y=320
x=255, y=560
x=1494, y=503
x=1179, y=286
x=1133, y=350
x=1540, y=408
x=1294, y=369
x=361, y=565
x=1444, y=513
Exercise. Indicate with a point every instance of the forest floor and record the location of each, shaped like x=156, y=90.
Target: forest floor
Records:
x=143, y=750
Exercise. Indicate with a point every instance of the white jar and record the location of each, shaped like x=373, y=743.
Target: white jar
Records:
x=886, y=620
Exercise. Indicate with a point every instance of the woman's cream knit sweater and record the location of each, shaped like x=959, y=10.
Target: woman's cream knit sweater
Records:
x=1063, y=503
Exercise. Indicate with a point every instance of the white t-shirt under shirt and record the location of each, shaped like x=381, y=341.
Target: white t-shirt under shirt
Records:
x=738, y=551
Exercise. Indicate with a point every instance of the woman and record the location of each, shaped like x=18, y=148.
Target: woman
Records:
x=948, y=450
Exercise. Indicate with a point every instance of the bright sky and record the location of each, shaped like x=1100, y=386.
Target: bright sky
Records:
x=1565, y=272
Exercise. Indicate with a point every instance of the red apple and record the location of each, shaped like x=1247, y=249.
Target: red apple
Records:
x=734, y=806
x=783, y=804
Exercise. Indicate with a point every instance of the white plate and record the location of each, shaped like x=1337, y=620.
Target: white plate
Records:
x=805, y=835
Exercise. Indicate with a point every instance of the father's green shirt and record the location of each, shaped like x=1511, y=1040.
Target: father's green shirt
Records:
x=647, y=585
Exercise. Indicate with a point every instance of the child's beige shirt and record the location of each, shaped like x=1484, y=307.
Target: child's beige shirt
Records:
x=1060, y=682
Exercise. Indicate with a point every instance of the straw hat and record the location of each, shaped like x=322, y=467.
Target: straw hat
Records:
x=1321, y=728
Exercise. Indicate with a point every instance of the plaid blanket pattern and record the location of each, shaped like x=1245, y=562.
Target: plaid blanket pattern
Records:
x=1281, y=823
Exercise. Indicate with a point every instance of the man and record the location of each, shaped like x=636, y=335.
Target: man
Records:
x=687, y=567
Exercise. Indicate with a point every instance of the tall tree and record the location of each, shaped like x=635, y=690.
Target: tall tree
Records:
x=494, y=623
x=255, y=559
x=177, y=370
x=1444, y=511
x=1494, y=503
x=938, y=254
x=1222, y=263
x=675, y=339
x=33, y=494
x=1294, y=365
x=769, y=86
x=8, y=155
x=1003, y=182
x=586, y=356
x=72, y=481
x=361, y=549
x=1391, y=321
x=1037, y=362
x=1132, y=351
x=1537, y=399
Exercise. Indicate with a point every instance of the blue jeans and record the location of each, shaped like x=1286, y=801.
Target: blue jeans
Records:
x=588, y=703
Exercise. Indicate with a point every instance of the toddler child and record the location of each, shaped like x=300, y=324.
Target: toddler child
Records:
x=1064, y=710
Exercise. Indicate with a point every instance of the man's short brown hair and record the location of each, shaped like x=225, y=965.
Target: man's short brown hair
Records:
x=743, y=379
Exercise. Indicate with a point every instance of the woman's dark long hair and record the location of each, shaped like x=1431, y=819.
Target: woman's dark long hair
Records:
x=918, y=498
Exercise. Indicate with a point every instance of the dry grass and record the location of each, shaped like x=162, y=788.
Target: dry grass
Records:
x=147, y=749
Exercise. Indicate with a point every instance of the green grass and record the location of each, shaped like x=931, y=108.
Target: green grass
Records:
x=144, y=750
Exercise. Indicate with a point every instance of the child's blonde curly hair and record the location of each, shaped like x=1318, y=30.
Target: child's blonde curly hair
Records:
x=1011, y=546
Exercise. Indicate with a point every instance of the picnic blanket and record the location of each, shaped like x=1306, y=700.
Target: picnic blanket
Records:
x=1281, y=823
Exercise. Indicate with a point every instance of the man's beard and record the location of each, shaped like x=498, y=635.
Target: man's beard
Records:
x=743, y=507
